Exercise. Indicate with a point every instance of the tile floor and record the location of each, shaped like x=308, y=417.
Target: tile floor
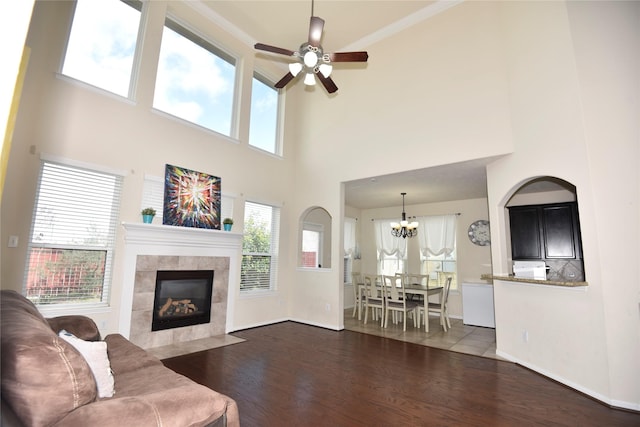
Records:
x=461, y=338
x=187, y=347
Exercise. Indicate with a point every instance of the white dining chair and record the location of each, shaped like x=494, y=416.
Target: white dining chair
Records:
x=396, y=300
x=374, y=298
x=439, y=307
x=356, y=281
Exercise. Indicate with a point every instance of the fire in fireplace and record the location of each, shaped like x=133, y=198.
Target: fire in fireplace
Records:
x=182, y=298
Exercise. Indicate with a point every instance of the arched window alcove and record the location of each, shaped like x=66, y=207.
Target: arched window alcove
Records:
x=543, y=226
x=315, y=238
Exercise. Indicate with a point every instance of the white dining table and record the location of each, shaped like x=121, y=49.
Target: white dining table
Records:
x=425, y=291
x=414, y=289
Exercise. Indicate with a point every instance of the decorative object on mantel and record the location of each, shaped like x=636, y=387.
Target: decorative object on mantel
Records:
x=404, y=228
x=227, y=223
x=147, y=215
x=191, y=199
x=479, y=233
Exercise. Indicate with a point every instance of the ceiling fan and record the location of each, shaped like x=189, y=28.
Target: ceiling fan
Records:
x=311, y=59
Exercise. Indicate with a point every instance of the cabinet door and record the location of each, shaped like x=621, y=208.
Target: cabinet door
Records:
x=558, y=226
x=525, y=233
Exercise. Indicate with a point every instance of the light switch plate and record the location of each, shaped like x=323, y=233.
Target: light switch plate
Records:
x=13, y=242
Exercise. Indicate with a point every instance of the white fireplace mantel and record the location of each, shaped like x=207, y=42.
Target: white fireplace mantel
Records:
x=166, y=240
x=152, y=234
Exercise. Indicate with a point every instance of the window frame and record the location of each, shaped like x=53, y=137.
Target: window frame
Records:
x=184, y=29
x=141, y=7
x=278, y=137
x=273, y=253
x=395, y=258
x=71, y=307
x=439, y=275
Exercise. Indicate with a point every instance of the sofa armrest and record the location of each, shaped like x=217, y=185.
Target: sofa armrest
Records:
x=82, y=327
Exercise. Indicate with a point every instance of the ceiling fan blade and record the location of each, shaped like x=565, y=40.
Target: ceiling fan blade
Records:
x=349, y=56
x=283, y=81
x=273, y=49
x=327, y=82
x=315, y=30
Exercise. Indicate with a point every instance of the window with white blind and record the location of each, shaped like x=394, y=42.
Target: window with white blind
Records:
x=259, y=247
x=264, y=115
x=70, y=251
x=102, y=43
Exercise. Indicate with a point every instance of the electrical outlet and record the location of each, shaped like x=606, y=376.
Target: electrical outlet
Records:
x=328, y=307
x=525, y=336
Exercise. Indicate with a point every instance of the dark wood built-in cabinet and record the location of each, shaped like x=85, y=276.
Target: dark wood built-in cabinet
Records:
x=549, y=233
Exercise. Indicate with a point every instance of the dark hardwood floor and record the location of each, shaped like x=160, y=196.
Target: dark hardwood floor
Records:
x=289, y=374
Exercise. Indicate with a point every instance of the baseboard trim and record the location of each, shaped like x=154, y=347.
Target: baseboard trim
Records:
x=615, y=404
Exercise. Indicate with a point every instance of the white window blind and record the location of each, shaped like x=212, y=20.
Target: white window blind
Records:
x=70, y=250
x=259, y=247
x=153, y=196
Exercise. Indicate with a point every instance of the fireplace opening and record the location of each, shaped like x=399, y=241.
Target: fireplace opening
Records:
x=182, y=298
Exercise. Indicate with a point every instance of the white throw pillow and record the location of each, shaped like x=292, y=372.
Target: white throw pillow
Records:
x=95, y=353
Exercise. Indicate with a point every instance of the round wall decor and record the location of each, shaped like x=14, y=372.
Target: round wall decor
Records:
x=479, y=233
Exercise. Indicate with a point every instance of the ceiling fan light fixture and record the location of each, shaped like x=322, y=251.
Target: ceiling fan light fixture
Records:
x=295, y=68
x=310, y=79
x=325, y=69
x=310, y=59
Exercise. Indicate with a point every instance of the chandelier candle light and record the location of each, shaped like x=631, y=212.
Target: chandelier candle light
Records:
x=404, y=228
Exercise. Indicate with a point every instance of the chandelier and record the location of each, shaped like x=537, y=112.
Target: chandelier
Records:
x=404, y=228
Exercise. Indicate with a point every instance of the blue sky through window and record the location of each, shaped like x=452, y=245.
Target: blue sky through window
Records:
x=195, y=80
x=264, y=116
x=102, y=44
x=194, y=83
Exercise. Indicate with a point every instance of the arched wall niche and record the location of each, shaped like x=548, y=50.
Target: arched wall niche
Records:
x=314, y=239
x=555, y=193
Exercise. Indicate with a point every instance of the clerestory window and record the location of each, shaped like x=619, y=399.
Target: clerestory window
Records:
x=263, y=131
x=195, y=79
x=102, y=44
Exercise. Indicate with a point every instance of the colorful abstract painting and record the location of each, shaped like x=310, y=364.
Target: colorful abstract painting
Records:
x=191, y=199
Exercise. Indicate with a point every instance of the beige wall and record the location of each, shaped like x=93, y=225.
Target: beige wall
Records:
x=13, y=30
x=572, y=91
x=552, y=87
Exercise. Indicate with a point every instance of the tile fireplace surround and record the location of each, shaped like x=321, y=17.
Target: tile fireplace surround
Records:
x=149, y=248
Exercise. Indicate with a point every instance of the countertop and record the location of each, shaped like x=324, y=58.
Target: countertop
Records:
x=534, y=281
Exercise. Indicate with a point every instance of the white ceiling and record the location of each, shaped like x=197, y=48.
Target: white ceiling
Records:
x=353, y=25
x=347, y=23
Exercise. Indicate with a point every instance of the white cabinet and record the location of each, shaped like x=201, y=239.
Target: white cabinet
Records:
x=477, y=305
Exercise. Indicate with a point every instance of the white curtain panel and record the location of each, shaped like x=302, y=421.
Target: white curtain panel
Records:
x=437, y=234
x=349, y=236
x=386, y=242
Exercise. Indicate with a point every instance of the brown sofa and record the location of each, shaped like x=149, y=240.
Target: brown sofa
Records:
x=47, y=382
